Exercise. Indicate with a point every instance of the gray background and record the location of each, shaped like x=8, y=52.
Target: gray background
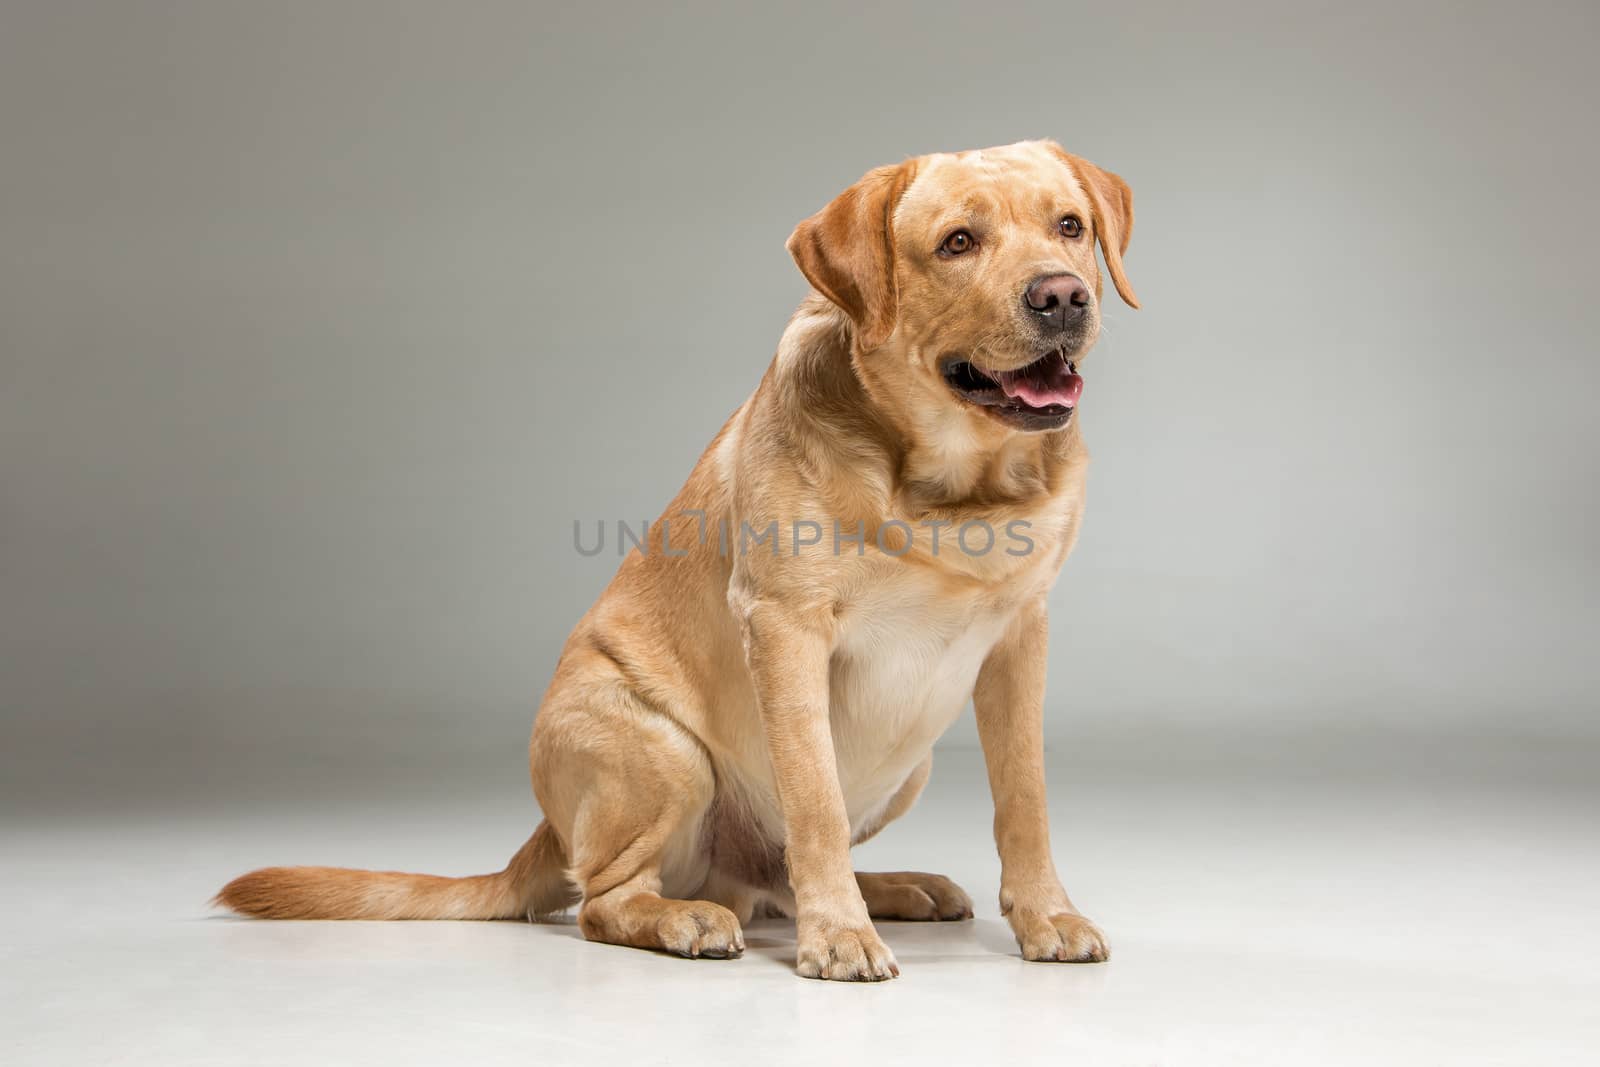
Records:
x=321, y=323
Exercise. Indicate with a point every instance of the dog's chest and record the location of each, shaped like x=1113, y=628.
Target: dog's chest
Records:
x=905, y=665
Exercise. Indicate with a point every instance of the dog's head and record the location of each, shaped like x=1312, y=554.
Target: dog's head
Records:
x=973, y=276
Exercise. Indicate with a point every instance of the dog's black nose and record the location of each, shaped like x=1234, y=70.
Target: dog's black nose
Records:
x=1059, y=299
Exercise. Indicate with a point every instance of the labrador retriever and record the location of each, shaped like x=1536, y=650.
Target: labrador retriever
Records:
x=866, y=544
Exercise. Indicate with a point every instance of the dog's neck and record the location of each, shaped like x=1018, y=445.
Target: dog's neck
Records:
x=875, y=416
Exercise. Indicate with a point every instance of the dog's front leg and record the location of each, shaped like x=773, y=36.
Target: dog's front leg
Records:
x=788, y=653
x=1009, y=699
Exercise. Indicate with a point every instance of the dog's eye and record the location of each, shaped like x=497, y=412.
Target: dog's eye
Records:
x=957, y=243
x=1071, y=226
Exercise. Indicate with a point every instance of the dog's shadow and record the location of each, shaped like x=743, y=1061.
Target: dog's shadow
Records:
x=773, y=940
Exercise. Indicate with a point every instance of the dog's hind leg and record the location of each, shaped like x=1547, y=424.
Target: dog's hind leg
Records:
x=909, y=895
x=632, y=787
x=635, y=913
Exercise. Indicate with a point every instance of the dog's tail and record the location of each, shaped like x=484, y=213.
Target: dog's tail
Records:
x=534, y=883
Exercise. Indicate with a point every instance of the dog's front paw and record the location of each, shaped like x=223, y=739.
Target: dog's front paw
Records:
x=1061, y=937
x=843, y=953
x=1049, y=929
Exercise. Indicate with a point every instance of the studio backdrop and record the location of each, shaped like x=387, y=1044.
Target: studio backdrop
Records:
x=322, y=326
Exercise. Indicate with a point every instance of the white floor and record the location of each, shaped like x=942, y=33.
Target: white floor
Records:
x=1262, y=922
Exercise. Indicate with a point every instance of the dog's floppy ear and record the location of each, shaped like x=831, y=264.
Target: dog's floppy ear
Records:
x=846, y=251
x=1113, y=216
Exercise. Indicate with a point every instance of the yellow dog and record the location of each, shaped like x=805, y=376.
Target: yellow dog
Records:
x=744, y=703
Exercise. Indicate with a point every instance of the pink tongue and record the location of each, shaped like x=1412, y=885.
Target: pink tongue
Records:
x=1042, y=384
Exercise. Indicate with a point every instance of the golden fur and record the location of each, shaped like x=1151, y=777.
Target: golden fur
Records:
x=723, y=725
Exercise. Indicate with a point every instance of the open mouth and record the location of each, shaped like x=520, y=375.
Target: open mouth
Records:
x=1040, y=396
